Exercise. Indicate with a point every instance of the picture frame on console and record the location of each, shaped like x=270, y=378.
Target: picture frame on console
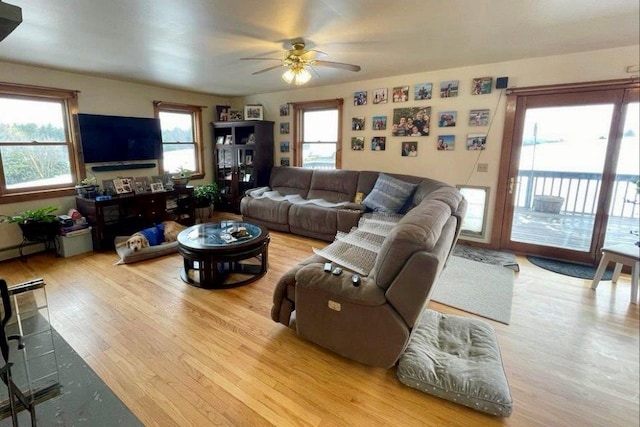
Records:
x=222, y=113
x=157, y=187
x=253, y=112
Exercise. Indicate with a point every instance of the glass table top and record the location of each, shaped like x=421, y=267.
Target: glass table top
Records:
x=217, y=234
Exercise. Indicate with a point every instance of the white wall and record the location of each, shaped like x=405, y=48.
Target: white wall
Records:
x=105, y=96
x=100, y=96
x=455, y=167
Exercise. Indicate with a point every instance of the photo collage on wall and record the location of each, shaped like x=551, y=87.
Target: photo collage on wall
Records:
x=417, y=121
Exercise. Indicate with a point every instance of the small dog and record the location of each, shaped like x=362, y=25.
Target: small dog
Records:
x=165, y=232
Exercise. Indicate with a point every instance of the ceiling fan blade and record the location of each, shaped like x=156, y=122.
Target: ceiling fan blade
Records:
x=267, y=69
x=260, y=59
x=340, y=65
x=312, y=54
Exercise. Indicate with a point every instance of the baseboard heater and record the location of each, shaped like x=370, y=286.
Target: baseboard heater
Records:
x=106, y=168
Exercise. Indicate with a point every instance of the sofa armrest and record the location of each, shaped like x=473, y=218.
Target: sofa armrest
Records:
x=256, y=191
x=340, y=287
x=354, y=207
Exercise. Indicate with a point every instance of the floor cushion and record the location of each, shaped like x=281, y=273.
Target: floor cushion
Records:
x=128, y=256
x=457, y=358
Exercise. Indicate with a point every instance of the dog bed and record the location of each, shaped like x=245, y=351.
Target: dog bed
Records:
x=458, y=359
x=128, y=256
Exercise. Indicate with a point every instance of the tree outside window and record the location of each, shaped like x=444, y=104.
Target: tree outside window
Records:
x=37, y=146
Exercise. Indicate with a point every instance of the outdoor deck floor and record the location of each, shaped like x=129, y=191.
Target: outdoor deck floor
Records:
x=567, y=230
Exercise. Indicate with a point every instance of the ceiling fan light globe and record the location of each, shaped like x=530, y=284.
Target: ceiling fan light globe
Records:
x=303, y=77
x=288, y=76
x=297, y=76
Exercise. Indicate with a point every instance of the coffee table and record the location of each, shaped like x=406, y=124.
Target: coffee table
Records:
x=223, y=254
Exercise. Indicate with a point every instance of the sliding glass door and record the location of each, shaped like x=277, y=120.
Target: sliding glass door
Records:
x=573, y=157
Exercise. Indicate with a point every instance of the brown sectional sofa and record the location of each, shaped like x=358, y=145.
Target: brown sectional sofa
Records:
x=371, y=323
x=331, y=185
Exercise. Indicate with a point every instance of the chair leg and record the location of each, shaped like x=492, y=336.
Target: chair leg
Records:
x=616, y=272
x=600, y=271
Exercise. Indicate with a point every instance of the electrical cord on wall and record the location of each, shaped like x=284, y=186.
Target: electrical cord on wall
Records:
x=475, y=164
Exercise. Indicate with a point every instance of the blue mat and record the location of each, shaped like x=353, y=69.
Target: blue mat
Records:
x=580, y=271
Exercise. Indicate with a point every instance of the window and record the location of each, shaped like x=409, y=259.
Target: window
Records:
x=181, y=137
x=318, y=134
x=37, y=143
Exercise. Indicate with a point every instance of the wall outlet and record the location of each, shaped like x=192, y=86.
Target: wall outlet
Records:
x=483, y=167
x=632, y=68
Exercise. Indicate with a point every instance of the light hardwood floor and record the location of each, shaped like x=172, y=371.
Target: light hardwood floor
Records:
x=183, y=356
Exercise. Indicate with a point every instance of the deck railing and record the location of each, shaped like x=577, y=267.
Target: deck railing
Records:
x=579, y=191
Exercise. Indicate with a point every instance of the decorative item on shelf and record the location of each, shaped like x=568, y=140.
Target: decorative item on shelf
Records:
x=223, y=112
x=235, y=115
x=253, y=112
x=181, y=179
x=88, y=188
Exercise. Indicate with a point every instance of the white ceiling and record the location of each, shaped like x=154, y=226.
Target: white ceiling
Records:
x=196, y=44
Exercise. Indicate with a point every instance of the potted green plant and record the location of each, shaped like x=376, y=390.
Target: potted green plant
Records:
x=87, y=188
x=206, y=195
x=37, y=224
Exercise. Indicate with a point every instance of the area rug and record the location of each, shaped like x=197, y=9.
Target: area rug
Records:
x=476, y=287
x=487, y=256
x=569, y=268
x=83, y=400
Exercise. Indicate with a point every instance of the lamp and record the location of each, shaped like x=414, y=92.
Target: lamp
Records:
x=297, y=75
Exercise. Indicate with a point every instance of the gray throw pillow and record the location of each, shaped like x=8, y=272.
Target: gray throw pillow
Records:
x=389, y=194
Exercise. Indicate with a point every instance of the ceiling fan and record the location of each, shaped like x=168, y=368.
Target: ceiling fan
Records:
x=298, y=59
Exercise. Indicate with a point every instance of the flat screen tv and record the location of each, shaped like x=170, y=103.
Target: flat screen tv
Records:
x=119, y=139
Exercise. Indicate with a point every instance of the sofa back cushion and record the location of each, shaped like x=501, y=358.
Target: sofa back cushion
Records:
x=419, y=230
x=389, y=194
x=333, y=185
x=291, y=180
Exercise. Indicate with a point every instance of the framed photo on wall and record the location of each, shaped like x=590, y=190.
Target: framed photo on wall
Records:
x=360, y=98
x=357, y=143
x=479, y=117
x=357, y=123
x=284, y=110
x=422, y=91
x=481, y=85
x=401, y=94
x=379, y=123
x=411, y=121
x=449, y=89
x=446, y=142
x=378, y=143
x=380, y=96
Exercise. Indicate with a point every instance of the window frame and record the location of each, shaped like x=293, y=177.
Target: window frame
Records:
x=69, y=101
x=196, y=121
x=299, y=108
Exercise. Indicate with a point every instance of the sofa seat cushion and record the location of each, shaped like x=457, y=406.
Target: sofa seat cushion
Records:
x=458, y=359
x=389, y=194
x=266, y=210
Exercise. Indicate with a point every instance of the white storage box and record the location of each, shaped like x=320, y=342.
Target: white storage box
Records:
x=78, y=242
